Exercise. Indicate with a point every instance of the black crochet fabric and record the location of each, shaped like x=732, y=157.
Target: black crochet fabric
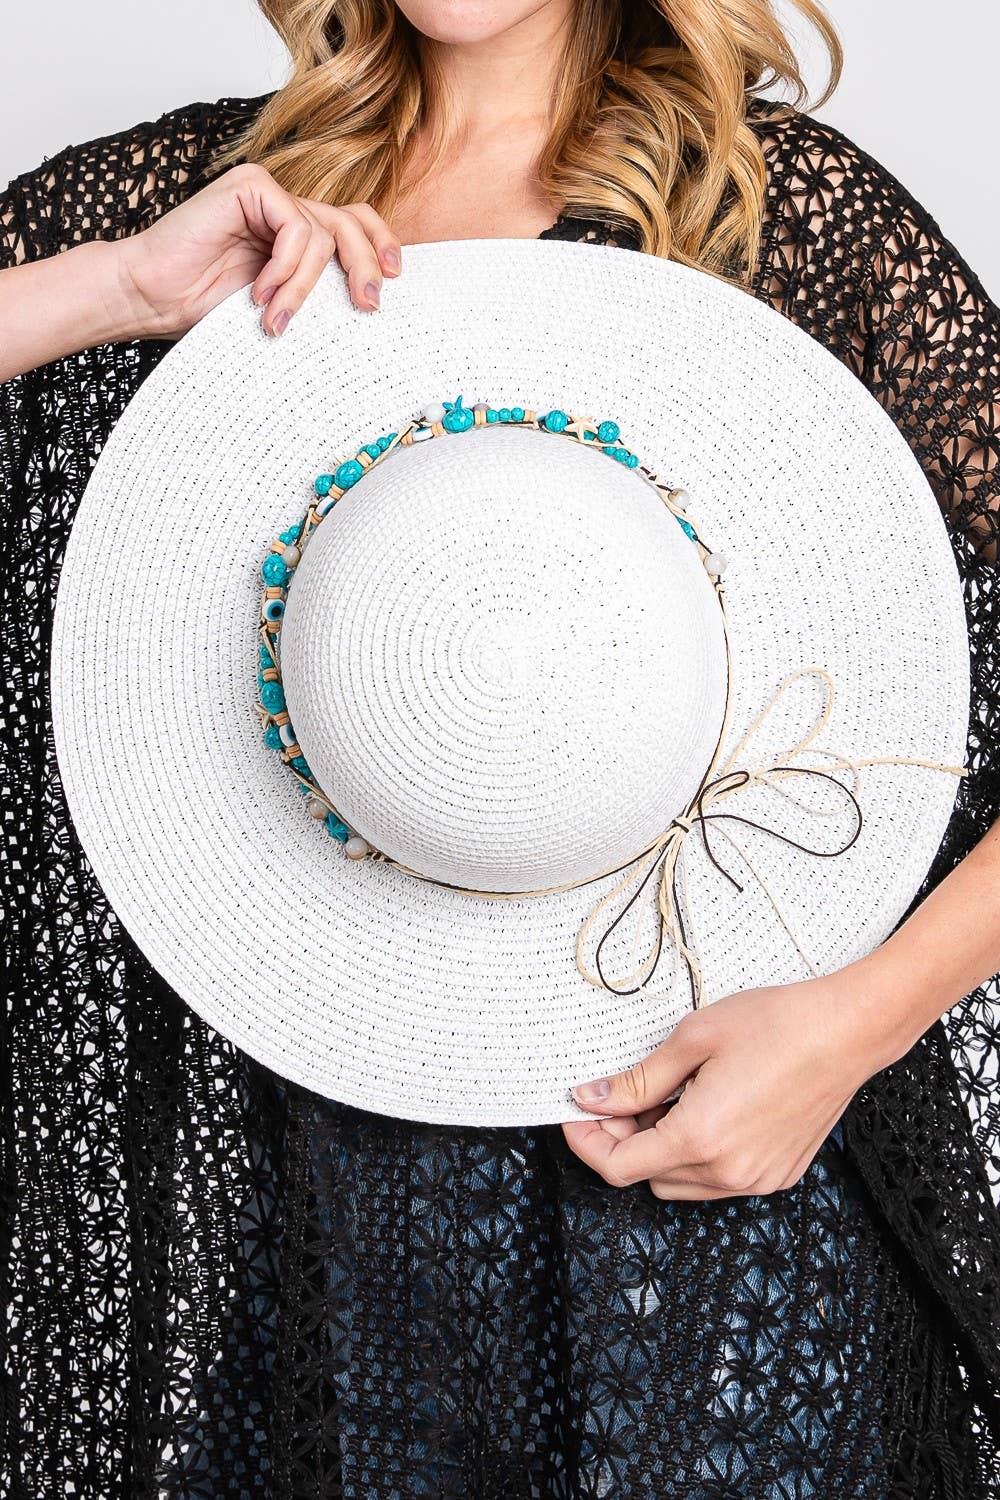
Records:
x=218, y=1285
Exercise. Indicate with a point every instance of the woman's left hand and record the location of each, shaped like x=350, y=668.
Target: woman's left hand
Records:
x=766, y=1074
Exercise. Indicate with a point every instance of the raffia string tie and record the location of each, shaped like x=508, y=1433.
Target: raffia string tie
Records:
x=718, y=786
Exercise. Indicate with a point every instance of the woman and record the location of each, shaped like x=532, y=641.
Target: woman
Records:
x=786, y=1285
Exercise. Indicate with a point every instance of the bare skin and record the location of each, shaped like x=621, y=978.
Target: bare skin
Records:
x=497, y=60
x=500, y=61
x=767, y=1072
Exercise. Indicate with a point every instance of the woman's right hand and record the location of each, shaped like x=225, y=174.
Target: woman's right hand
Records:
x=243, y=227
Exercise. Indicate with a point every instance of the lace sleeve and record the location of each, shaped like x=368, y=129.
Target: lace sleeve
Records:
x=930, y=353
x=12, y=242
x=851, y=255
x=114, y=185
x=932, y=357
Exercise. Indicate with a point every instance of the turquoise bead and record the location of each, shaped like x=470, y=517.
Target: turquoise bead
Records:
x=517, y=413
x=504, y=413
x=632, y=460
x=689, y=529
x=556, y=421
x=390, y=438
x=457, y=418
x=300, y=763
x=274, y=571
x=347, y=473
x=324, y=484
x=492, y=415
x=384, y=442
x=272, y=739
x=608, y=432
x=272, y=697
x=611, y=452
x=289, y=536
x=337, y=829
x=372, y=449
x=266, y=659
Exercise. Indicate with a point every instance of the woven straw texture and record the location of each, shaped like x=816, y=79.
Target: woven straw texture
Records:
x=505, y=660
x=399, y=995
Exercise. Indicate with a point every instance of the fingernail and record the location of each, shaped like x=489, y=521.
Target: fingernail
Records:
x=265, y=297
x=372, y=293
x=391, y=258
x=591, y=1093
x=282, y=321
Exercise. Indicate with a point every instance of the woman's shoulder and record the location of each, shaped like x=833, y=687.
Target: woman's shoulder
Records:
x=809, y=156
x=817, y=171
x=834, y=206
x=116, y=184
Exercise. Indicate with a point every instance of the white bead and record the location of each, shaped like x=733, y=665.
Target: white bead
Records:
x=433, y=412
x=680, y=498
x=317, y=809
x=291, y=557
x=286, y=734
x=421, y=434
x=481, y=406
x=716, y=563
x=355, y=848
x=324, y=506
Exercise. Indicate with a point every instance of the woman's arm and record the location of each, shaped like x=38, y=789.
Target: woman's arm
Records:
x=50, y=308
x=943, y=951
x=241, y=228
x=768, y=1072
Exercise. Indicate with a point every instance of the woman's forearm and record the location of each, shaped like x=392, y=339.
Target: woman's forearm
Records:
x=943, y=951
x=67, y=302
x=243, y=228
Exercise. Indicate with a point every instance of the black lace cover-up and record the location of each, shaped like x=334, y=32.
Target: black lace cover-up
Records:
x=222, y=1286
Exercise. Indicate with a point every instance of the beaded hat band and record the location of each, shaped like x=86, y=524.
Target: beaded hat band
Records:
x=439, y=419
x=278, y=568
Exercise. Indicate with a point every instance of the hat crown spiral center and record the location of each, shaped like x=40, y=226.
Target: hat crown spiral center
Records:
x=505, y=661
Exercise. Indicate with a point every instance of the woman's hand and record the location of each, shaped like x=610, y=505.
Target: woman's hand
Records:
x=766, y=1074
x=243, y=227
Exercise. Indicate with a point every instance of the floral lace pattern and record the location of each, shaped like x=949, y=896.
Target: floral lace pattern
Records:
x=219, y=1285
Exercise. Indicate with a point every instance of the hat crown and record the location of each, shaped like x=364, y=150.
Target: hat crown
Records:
x=504, y=661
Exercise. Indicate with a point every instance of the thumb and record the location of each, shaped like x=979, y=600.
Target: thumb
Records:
x=653, y=1079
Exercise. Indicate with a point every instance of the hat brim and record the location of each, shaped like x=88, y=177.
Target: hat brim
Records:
x=356, y=980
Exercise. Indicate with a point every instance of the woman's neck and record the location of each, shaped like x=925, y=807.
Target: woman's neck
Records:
x=471, y=167
x=504, y=81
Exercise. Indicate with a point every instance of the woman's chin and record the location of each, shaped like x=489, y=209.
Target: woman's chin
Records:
x=464, y=22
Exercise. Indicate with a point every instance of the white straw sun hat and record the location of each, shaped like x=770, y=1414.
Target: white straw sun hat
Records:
x=442, y=756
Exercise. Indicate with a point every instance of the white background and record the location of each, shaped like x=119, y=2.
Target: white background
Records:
x=919, y=90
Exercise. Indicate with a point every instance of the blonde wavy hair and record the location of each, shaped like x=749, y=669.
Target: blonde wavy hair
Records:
x=649, y=127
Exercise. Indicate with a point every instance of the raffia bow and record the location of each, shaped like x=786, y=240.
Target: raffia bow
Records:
x=720, y=784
